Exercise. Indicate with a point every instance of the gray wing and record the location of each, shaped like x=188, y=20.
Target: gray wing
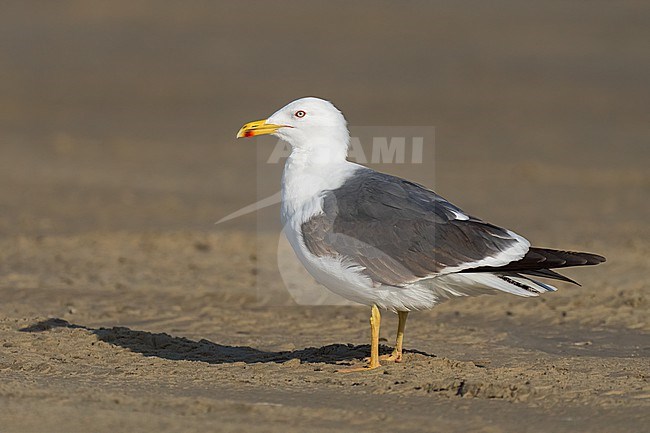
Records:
x=401, y=232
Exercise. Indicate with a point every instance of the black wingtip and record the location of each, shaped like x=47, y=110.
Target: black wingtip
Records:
x=567, y=258
x=548, y=273
x=541, y=259
x=592, y=259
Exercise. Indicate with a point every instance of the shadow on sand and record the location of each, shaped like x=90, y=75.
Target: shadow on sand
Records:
x=162, y=345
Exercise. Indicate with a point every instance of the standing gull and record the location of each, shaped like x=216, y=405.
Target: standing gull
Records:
x=386, y=242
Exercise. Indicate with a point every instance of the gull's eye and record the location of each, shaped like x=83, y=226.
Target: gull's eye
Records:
x=300, y=114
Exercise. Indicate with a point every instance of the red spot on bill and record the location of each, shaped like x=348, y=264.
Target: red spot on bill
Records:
x=249, y=134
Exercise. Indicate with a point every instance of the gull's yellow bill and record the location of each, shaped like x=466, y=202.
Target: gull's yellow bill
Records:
x=259, y=127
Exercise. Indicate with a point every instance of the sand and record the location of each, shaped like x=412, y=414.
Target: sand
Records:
x=124, y=308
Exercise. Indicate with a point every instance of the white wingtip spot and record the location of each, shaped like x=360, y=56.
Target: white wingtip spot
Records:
x=460, y=216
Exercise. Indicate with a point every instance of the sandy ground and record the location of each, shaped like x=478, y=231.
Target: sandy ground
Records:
x=124, y=308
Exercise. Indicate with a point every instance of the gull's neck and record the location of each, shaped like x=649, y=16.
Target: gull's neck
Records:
x=306, y=174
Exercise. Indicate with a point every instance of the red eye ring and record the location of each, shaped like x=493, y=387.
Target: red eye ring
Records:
x=300, y=114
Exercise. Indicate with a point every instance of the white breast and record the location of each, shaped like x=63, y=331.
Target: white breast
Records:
x=302, y=186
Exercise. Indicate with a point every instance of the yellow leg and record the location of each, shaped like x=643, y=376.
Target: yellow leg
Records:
x=375, y=322
x=397, y=352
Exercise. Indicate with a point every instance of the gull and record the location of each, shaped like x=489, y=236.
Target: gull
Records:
x=386, y=242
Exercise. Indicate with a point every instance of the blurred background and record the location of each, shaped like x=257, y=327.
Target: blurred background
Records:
x=118, y=155
x=121, y=115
